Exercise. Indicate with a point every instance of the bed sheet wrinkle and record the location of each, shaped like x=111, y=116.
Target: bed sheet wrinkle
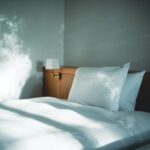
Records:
x=98, y=128
x=46, y=120
x=94, y=113
x=64, y=127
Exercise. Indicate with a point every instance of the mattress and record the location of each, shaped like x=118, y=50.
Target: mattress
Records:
x=48, y=123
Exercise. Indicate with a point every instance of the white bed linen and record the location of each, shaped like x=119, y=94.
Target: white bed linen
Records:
x=51, y=124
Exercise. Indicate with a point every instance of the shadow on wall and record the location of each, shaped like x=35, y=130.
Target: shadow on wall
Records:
x=35, y=84
x=39, y=66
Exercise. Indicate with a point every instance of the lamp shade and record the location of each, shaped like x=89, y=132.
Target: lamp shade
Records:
x=52, y=63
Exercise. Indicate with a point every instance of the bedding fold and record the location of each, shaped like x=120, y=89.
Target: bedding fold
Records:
x=48, y=123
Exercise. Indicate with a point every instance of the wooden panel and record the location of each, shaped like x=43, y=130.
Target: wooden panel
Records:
x=58, y=87
x=66, y=83
x=68, y=70
x=52, y=70
x=51, y=85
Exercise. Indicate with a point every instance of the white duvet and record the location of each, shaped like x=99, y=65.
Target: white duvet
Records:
x=50, y=124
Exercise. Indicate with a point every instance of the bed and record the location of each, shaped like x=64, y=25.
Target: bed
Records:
x=48, y=123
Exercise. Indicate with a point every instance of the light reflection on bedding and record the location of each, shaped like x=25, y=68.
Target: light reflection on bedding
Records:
x=44, y=123
x=114, y=92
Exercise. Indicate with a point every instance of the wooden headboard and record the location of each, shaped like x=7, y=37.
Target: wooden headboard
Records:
x=143, y=99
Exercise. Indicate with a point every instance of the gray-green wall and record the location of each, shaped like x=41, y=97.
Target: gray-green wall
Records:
x=82, y=33
x=43, y=34
x=107, y=32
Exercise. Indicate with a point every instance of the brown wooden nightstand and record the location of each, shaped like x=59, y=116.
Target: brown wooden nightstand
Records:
x=57, y=82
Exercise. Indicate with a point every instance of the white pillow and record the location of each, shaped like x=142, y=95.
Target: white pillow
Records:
x=130, y=91
x=99, y=86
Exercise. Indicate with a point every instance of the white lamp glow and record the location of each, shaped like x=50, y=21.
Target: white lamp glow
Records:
x=52, y=63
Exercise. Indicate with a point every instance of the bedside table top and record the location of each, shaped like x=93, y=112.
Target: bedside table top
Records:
x=64, y=70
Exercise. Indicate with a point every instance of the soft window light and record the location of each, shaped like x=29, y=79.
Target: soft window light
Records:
x=15, y=62
x=52, y=63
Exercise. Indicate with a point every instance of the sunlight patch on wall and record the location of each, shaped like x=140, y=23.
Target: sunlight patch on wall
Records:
x=15, y=63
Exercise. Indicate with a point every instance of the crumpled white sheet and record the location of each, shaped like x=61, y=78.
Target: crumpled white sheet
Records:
x=48, y=123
